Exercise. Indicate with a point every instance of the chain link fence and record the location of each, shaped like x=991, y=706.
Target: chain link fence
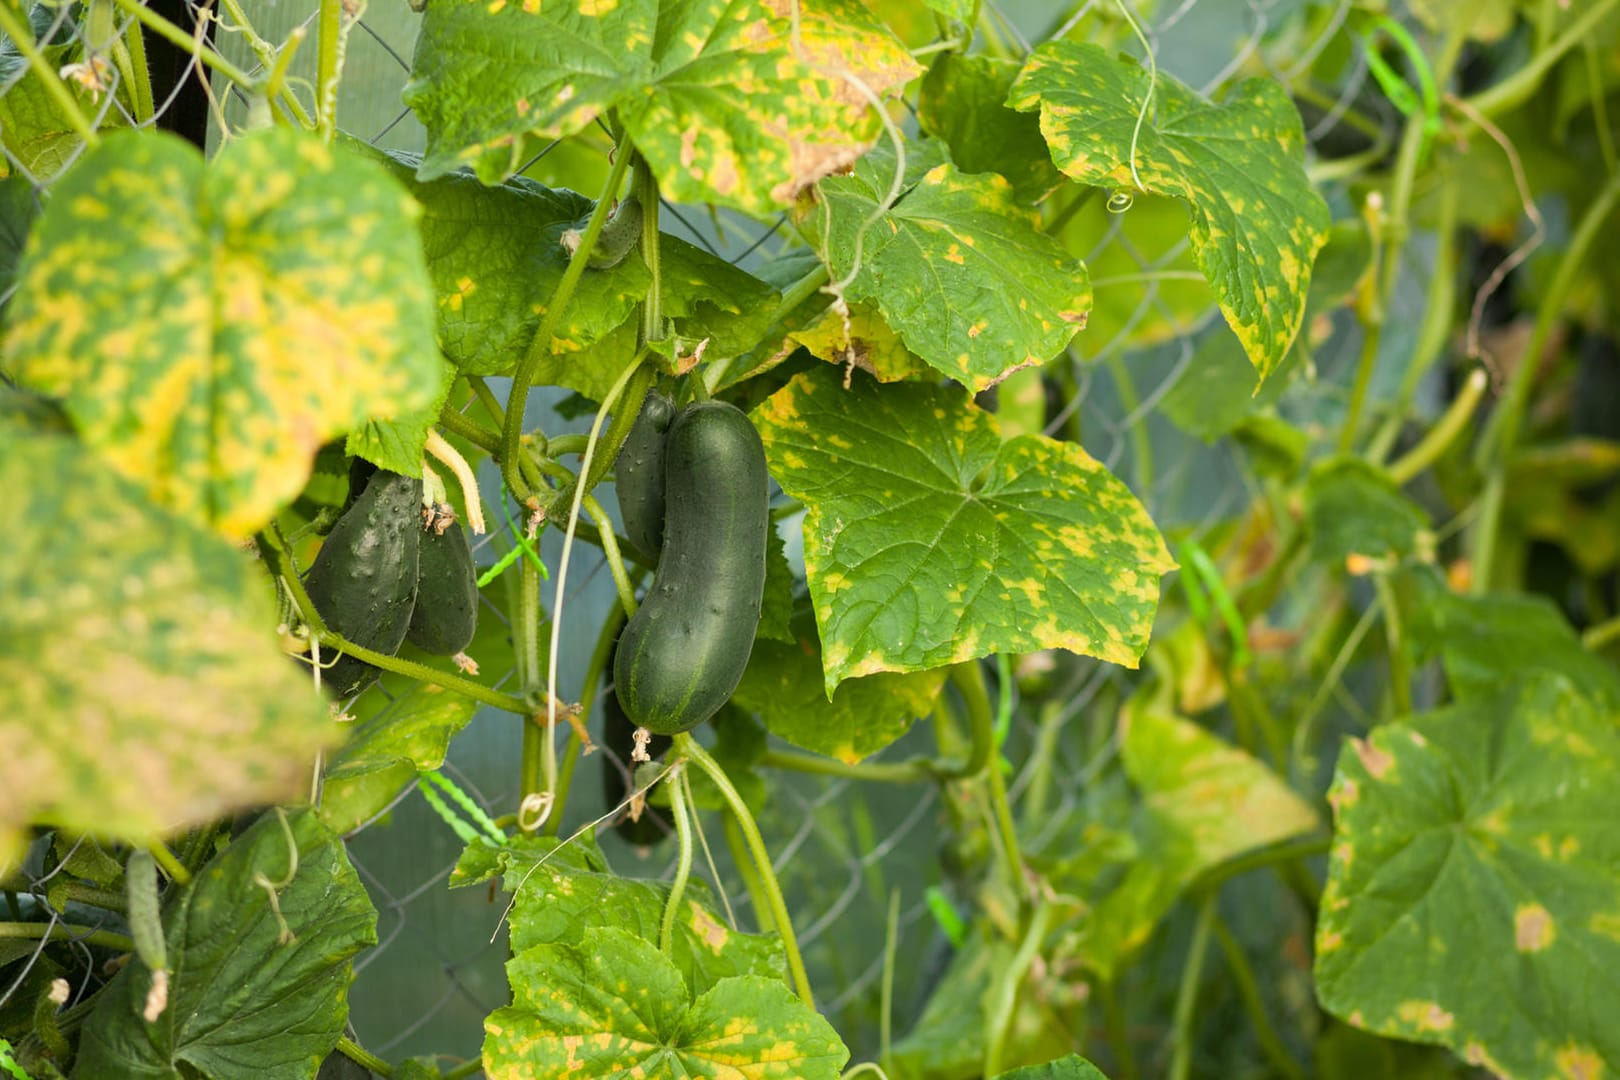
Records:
x=841, y=848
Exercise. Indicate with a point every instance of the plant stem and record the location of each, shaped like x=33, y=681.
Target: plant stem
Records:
x=486, y=398
x=1286, y=852
x=1524, y=81
x=362, y=1057
x=21, y=35
x=645, y=187
x=1008, y=982
x=1452, y=423
x=1187, y=996
x=1496, y=448
x=140, y=90
x=459, y=423
x=171, y=866
x=328, y=62
x=610, y=550
x=595, y=670
x=33, y=931
x=523, y=378
x=1371, y=335
x=968, y=679
x=886, y=993
x=1119, y=1035
x=745, y=869
x=688, y=749
x=683, y=865
x=1237, y=964
x=915, y=771
x=185, y=42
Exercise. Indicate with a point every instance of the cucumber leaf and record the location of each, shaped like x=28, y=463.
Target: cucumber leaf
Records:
x=963, y=102
x=209, y=325
x=613, y=1006
x=955, y=266
x=149, y=645
x=258, y=983
x=721, y=101
x=1073, y=1067
x=1256, y=224
x=1355, y=509
x=928, y=540
x=1471, y=895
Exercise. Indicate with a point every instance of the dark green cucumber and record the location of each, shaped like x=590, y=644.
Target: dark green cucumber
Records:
x=363, y=580
x=446, y=613
x=639, y=475
x=684, y=651
x=619, y=738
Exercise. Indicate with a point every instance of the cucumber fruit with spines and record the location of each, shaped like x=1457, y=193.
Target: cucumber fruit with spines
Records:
x=446, y=614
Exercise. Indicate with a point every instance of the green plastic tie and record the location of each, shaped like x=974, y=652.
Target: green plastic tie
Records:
x=945, y=915
x=431, y=780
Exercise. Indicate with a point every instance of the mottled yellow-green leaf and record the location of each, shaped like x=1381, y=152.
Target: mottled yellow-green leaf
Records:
x=723, y=101
x=956, y=267
x=861, y=338
x=963, y=102
x=1204, y=801
x=209, y=326
x=1256, y=223
x=613, y=1006
x=1473, y=895
x=929, y=540
x=142, y=688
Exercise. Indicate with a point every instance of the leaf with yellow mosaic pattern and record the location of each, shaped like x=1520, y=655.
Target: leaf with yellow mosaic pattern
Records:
x=957, y=268
x=209, y=326
x=928, y=540
x=1203, y=801
x=614, y=1006
x=723, y=101
x=1256, y=223
x=141, y=684
x=1473, y=896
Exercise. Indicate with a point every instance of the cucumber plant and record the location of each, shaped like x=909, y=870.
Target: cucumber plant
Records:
x=913, y=339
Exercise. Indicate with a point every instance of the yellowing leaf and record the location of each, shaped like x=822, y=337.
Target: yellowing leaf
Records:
x=209, y=326
x=1256, y=223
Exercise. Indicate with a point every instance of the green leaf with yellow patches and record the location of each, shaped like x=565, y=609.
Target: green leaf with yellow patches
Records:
x=1473, y=895
x=859, y=336
x=1256, y=223
x=209, y=326
x=148, y=645
x=783, y=684
x=561, y=893
x=963, y=100
x=614, y=1006
x=258, y=946
x=719, y=98
x=928, y=540
x=955, y=266
x=387, y=751
x=1203, y=802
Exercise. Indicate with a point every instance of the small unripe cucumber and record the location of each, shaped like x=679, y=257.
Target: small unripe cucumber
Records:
x=363, y=580
x=684, y=651
x=639, y=475
x=446, y=613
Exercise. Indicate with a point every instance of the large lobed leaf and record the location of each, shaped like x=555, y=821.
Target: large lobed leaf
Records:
x=1473, y=897
x=956, y=267
x=210, y=325
x=1256, y=223
x=928, y=540
x=141, y=686
x=258, y=983
x=725, y=104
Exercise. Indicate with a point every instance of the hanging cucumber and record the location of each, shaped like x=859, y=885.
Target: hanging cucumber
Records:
x=619, y=737
x=684, y=651
x=639, y=475
x=446, y=613
x=363, y=580
x=616, y=239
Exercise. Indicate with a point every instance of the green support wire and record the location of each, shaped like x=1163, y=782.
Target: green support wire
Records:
x=522, y=547
x=1204, y=586
x=1426, y=98
x=431, y=780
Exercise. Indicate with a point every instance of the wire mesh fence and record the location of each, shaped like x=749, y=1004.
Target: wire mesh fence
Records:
x=842, y=848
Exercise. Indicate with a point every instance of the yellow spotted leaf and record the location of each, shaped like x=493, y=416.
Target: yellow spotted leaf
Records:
x=725, y=100
x=613, y=1006
x=1256, y=223
x=928, y=540
x=142, y=687
x=1473, y=895
x=209, y=326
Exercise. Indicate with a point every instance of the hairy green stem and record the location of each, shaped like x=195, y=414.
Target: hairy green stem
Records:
x=523, y=378
x=1005, y=995
x=683, y=864
x=172, y=868
x=458, y=423
x=1287, y=852
x=968, y=678
x=537, y=739
x=1237, y=965
x=328, y=63
x=21, y=34
x=185, y=42
x=915, y=771
x=688, y=749
x=645, y=187
x=1523, y=82
x=33, y=931
x=1453, y=422
x=1181, y=1038
x=745, y=869
x=363, y=1057
x=610, y=550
